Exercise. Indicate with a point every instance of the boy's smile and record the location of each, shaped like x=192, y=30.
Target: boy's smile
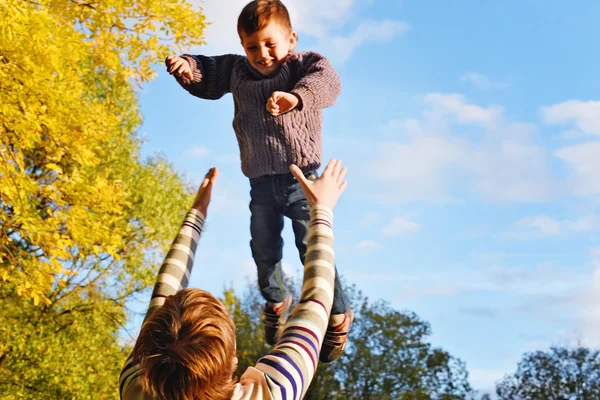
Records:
x=268, y=48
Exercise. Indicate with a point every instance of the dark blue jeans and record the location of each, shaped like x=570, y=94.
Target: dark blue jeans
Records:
x=271, y=198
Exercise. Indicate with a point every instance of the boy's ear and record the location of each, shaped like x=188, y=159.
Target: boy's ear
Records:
x=293, y=39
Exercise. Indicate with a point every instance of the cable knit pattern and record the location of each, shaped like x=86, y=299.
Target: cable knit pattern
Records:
x=269, y=144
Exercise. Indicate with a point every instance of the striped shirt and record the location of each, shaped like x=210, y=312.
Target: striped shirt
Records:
x=286, y=372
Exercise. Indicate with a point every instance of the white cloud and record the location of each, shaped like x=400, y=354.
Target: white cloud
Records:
x=588, y=311
x=249, y=268
x=484, y=379
x=457, y=143
x=585, y=115
x=362, y=247
x=227, y=158
x=400, y=226
x=368, y=220
x=584, y=164
x=309, y=18
x=365, y=32
x=198, y=151
x=481, y=81
x=288, y=269
x=221, y=33
x=456, y=106
x=367, y=246
x=542, y=280
x=541, y=224
x=586, y=223
x=229, y=199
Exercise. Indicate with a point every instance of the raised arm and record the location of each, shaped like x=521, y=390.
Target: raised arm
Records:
x=174, y=273
x=205, y=77
x=320, y=85
x=291, y=365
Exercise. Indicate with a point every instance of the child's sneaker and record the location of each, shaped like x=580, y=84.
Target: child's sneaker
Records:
x=336, y=338
x=275, y=319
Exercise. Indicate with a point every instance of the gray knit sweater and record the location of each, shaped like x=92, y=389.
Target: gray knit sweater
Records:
x=268, y=144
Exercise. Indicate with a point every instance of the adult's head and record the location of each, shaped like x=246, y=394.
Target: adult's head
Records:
x=186, y=348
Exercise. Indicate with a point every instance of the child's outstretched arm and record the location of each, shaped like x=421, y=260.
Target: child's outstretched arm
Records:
x=291, y=365
x=174, y=273
x=320, y=85
x=205, y=77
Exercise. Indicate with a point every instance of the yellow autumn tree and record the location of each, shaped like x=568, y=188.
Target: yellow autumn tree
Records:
x=82, y=217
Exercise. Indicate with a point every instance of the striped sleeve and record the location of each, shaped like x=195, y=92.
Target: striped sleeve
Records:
x=291, y=365
x=173, y=275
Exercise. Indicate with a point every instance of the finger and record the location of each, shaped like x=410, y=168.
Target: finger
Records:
x=298, y=174
x=177, y=63
x=341, y=175
x=276, y=96
x=173, y=63
x=169, y=60
x=343, y=187
x=181, y=67
x=210, y=177
x=273, y=101
x=205, y=182
x=188, y=74
x=270, y=103
x=336, y=168
x=215, y=174
x=329, y=166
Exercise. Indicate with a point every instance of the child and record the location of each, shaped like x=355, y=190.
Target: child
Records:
x=186, y=348
x=278, y=96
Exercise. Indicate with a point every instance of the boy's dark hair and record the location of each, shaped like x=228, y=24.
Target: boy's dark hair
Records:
x=186, y=348
x=259, y=13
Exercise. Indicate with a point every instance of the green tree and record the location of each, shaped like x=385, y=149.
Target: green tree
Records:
x=387, y=356
x=83, y=220
x=558, y=374
x=246, y=313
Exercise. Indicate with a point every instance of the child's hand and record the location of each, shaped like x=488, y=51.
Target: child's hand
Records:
x=205, y=191
x=178, y=66
x=281, y=102
x=326, y=190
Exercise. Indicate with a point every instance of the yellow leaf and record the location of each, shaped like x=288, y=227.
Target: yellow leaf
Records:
x=54, y=167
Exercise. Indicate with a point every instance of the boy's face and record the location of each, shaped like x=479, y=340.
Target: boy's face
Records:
x=267, y=49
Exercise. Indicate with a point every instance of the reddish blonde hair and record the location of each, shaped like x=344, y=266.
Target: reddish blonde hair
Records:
x=186, y=348
x=259, y=13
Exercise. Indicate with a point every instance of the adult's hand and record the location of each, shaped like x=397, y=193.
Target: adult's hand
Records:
x=205, y=191
x=327, y=189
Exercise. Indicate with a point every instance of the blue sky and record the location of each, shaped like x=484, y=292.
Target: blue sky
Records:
x=470, y=131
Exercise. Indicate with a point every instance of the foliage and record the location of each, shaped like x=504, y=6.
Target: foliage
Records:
x=82, y=219
x=558, y=374
x=387, y=356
